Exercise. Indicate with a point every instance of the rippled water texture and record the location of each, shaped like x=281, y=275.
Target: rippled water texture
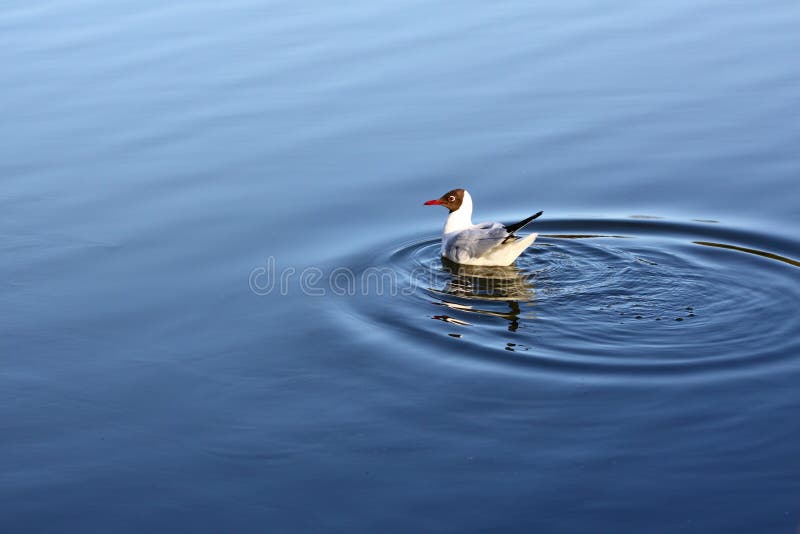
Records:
x=636, y=370
x=611, y=296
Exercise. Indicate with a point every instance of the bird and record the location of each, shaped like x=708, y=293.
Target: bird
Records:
x=488, y=244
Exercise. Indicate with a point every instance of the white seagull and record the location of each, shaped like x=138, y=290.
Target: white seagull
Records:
x=490, y=243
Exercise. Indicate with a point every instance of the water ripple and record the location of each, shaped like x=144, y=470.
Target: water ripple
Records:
x=608, y=296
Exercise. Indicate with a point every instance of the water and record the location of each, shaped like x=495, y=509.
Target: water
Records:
x=635, y=370
x=591, y=302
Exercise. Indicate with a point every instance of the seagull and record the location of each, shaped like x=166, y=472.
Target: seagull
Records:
x=490, y=243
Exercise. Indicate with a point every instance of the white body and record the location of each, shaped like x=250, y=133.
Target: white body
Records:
x=479, y=244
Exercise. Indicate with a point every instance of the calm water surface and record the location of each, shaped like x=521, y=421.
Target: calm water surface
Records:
x=635, y=371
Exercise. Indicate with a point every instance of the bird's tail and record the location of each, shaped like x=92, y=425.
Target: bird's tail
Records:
x=512, y=249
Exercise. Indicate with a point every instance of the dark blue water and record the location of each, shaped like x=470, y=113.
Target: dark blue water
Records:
x=223, y=308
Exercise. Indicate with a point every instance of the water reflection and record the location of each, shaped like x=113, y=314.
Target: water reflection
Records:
x=512, y=315
x=501, y=289
x=487, y=283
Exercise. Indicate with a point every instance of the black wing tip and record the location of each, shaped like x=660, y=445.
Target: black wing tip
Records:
x=511, y=228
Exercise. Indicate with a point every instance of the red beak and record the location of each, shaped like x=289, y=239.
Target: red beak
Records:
x=433, y=202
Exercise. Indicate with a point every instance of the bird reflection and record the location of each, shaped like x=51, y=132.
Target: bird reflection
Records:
x=507, y=285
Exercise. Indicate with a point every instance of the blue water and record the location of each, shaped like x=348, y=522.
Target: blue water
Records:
x=163, y=165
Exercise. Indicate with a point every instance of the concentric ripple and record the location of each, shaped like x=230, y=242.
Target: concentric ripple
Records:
x=613, y=295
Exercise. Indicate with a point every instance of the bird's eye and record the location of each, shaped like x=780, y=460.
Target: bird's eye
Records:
x=451, y=198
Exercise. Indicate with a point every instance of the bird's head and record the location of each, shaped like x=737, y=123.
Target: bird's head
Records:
x=451, y=200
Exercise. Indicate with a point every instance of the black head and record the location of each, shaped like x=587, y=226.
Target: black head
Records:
x=451, y=200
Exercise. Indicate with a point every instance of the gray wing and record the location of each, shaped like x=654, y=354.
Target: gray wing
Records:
x=477, y=241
